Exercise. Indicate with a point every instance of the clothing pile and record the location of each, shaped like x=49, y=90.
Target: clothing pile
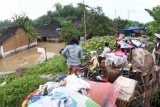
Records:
x=69, y=92
x=72, y=91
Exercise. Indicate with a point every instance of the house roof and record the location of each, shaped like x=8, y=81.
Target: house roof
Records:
x=8, y=33
x=48, y=30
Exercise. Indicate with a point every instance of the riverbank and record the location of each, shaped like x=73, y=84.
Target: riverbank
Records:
x=30, y=57
x=6, y=73
x=16, y=86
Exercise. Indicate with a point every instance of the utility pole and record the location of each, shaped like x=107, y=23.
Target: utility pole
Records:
x=85, y=32
x=116, y=19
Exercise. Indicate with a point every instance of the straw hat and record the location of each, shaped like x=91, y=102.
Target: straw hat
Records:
x=157, y=35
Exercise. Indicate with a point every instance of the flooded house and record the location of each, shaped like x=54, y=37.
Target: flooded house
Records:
x=49, y=32
x=14, y=39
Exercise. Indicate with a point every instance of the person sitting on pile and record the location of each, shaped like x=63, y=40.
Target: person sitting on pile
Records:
x=121, y=36
x=94, y=74
x=93, y=62
x=103, y=55
x=117, y=48
x=118, y=51
x=106, y=50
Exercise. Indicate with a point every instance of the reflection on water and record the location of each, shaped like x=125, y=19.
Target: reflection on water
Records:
x=29, y=57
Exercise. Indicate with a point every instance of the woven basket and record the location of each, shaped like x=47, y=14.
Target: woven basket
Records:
x=112, y=74
x=121, y=103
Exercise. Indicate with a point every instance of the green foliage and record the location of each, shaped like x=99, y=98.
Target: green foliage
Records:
x=68, y=31
x=154, y=26
x=4, y=25
x=96, y=44
x=24, y=21
x=151, y=28
x=94, y=28
x=120, y=23
x=18, y=87
x=124, y=24
x=150, y=47
x=102, y=26
x=55, y=65
x=155, y=13
x=15, y=91
x=155, y=98
x=2, y=30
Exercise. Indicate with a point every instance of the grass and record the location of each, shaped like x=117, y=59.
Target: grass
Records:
x=20, y=85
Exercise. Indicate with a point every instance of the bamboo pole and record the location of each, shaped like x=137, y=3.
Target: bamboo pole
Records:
x=85, y=31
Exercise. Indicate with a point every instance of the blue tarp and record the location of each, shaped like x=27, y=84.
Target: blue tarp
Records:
x=131, y=29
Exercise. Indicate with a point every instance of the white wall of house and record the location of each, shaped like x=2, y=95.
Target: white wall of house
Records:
x=18, y=49
x=1, y=50
x=53, y=39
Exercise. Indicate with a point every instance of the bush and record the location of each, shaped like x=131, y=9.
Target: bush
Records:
x=155, y=98
x=15, y=92
x=18, y=87
x=97, y=44
x=150, y=47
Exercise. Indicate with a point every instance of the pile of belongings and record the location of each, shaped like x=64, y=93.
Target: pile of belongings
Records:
x=131, y=43
x=127, y=88
x=117, y=59
x=143, y=60
x=72, y=91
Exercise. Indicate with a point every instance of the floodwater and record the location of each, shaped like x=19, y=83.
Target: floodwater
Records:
x=29, y=57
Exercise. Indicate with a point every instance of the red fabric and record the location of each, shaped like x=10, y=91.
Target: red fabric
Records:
x=101, y=92
x=25, y=103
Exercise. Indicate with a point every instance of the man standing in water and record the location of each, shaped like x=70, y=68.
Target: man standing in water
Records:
x=73, y=53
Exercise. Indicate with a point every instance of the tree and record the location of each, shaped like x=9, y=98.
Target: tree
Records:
x=4, y=25
x=97, y=23
x=154, y=26
x=68, y=31
x=26, y=23
x=151, y=28
x=58, y=8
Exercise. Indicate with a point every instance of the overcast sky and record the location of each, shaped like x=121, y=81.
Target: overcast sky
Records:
x=132, y=9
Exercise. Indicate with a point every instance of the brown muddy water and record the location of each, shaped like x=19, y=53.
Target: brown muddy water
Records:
x=29, y=57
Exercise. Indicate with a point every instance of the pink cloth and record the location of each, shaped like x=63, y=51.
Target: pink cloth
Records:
x=121, y=36
x=119, y=53
x=104, y=94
